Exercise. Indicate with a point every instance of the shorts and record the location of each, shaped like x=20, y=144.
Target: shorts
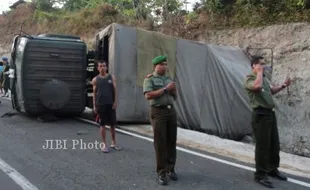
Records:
x=107, y=115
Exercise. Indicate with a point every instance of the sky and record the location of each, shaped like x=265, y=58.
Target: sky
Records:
x=4, y=4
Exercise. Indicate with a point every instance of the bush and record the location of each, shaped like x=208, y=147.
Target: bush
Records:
x=214, y=14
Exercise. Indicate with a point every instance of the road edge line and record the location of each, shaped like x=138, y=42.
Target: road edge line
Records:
x=18, y=178
x=196, y=153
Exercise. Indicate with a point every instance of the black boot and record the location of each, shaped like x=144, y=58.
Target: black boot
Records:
x=173, y=176
x=162, y=179
x=276, y=174
x=263, y=180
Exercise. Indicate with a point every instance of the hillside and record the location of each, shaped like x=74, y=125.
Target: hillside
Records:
x=85, y=18
x=283, y=28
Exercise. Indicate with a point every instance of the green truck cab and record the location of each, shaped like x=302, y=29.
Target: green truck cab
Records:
x=50, y=74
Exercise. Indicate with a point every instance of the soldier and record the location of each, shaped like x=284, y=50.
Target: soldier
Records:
x=160, y=90
x=264, y=122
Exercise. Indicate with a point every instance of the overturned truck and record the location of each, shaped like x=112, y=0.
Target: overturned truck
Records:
x=209, y=78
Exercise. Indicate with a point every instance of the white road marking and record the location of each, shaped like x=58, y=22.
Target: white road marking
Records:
x=196, y=153
x=17, y=177
x=181, y=149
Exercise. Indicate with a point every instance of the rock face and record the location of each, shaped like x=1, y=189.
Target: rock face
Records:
x=291, y=50
x=4, y=49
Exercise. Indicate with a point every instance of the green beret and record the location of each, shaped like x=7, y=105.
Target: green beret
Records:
x=159, y=59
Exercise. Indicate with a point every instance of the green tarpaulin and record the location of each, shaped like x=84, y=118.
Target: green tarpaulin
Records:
x=150, y=45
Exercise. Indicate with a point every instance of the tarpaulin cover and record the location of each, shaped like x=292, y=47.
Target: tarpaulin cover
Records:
x=150, y=45
x=211, y=96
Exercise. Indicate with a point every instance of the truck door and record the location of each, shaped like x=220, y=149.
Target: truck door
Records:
x=91, y=71
x=101, y=53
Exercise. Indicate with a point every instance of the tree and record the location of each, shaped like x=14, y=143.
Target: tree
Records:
x=45, y=5
x=73, y=5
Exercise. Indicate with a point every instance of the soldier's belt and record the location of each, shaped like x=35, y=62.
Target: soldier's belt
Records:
x=264, y=109
x=163, y=106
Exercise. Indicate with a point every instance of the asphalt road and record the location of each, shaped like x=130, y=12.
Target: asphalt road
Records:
x=7, y=183
x=21, y=146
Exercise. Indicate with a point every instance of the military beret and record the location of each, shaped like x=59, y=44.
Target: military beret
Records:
x=159, y=59
x=255, y=59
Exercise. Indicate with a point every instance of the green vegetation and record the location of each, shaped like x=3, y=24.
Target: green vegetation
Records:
x=85, y=17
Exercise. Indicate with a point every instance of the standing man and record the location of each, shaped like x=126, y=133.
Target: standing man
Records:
x=160, y=90
x=264, y=122
x=1, y=76
x=5, y=77
x=105, y=102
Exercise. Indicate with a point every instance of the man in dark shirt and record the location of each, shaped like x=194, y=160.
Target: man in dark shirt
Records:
x=104, y=101
x=5, y=76
x=1, y=77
